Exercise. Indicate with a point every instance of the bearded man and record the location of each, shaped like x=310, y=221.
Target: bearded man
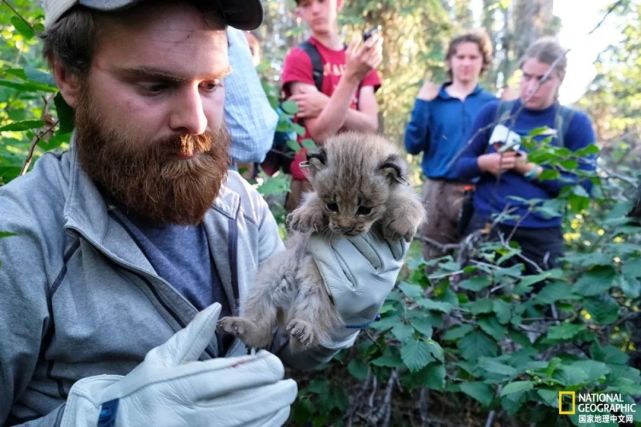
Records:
x=128, y=247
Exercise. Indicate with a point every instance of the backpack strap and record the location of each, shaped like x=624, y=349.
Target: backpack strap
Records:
x=317, y=63
x=562, y=121
x=503, y=112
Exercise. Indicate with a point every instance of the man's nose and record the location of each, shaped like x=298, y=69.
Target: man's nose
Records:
x=188, y=113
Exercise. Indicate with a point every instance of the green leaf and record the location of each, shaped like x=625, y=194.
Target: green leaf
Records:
x=23, y=125
x=457, y=332
x=389, y=359
x=587, y=151
x=358, y=369
x=476, y=283
x=565, y=331
x=570, y=376
x=444, y=307
x=503, y=311
x=603, y=309
x=290, y=107
x=411, y=291
x=516, y=387
x=595, y=281
x=423, y=325
x=632, y=268
x=432, y=376
x=550, y=397
x=65, y=114
x=608, y=354
x=476, y=344
x=402, y=331
x=300, y=130
x=494, y=366
x=28, y=86
x=593, y=369
x=309, y=144
x=35, y=75
x=274, y=185
x=416, y=354
x=555, y=291
x=436, y=350
x=23, y=27
x=480, y=306
x=491, y=326
x=6, y=234
x=479, y=391
x=293, y=145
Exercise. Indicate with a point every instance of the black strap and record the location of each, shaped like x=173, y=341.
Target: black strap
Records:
x=562, y=118
x=317, y=63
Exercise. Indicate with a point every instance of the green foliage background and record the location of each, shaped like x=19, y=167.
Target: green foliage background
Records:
x=470, y=344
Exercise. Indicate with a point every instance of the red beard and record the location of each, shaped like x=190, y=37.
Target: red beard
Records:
x=174, y=180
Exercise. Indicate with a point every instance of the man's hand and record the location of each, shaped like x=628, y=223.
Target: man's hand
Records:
x=310, y=104
x=428, y=91
x=362, y=57
x=497, y=163
x=358, y=273
x=172, y=387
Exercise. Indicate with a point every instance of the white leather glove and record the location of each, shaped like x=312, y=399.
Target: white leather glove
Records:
x=171, y=387
x=358, y=273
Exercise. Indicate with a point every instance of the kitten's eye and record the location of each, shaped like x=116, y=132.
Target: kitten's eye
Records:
x=363, y=210
x=332, y=207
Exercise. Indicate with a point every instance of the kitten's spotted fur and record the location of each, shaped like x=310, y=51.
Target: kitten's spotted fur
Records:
x=359, y=180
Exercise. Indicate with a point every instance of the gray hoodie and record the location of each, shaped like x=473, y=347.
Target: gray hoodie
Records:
x=77, y=295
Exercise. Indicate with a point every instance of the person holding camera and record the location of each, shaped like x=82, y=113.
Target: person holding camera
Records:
x=441, y=118
x=507, y=180
x=333, y=84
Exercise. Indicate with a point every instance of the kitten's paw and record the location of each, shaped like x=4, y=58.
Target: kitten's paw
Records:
x=236, y=326
x=244, y=329
x=400, y=228
x=304, y=220
x=302, y=332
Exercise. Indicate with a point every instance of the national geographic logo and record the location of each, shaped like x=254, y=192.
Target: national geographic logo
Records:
x=567, y=402
x=597, y=408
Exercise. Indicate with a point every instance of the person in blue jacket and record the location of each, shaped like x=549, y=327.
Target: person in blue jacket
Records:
x=441, y=118
x=502, y=176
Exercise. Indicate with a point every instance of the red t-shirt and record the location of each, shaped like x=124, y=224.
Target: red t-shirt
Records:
x=298, y=68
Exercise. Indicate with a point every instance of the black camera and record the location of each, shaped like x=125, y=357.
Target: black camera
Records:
x=369, y=33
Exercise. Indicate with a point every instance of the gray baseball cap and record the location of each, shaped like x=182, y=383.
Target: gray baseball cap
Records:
x=241, y=14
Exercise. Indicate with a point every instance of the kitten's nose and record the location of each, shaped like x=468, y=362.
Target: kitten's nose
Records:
x=349, y=230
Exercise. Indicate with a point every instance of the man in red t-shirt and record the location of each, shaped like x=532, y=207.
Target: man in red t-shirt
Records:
x=347, y=98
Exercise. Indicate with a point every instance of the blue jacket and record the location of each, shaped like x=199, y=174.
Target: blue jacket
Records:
x=492, y=196
x=439, y=127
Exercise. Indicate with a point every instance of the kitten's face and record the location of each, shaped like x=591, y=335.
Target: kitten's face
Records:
x=352, y=207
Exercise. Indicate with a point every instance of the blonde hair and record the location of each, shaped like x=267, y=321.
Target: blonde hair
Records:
x=547, y=50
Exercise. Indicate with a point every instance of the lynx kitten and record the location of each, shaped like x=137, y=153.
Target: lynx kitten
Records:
x=360, y=180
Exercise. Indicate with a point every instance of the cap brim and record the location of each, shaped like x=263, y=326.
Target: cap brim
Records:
x=241, y=14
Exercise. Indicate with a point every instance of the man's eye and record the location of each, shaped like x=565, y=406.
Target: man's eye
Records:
x=154, y=88
x=210, y=86
x=333, y=207
x=363, y=210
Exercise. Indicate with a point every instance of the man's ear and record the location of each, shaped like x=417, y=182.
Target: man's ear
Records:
x=68, y=83
x=394, y=169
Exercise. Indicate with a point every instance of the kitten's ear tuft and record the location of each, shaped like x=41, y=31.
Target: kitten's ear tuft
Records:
x=394, y=169
x=317, y=160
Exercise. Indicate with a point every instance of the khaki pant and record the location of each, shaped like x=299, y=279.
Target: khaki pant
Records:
x=443, y=201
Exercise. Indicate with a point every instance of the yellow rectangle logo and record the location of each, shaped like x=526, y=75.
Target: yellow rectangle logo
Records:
x=572, y=403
